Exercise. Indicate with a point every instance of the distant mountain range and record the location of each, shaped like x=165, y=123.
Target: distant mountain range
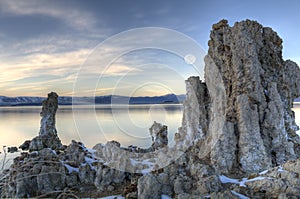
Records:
x=109, y=99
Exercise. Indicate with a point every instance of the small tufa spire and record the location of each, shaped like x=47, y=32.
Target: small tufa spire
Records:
x=48, y=135
x=49, y=109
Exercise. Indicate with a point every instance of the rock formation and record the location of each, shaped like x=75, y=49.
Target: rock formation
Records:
x=195, y=113
x=243, y=114
x=47, y=137
x=237, y=123
x=12, y=149
x=159, y=135
x=53, y=170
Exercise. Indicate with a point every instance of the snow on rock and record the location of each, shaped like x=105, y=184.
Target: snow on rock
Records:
x=145, y=166
x=245, y=180
x=165, y=197
x=280, y=169
x=225, y=179
x=71, y=169
x=113, y=197
x=263, y=172
x=241, y=196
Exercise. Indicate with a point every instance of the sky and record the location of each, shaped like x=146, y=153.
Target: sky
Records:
x=122, y=47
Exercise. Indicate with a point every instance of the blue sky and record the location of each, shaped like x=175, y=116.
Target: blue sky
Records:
x=44, y=44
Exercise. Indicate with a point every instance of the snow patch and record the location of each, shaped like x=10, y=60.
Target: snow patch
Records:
x=146, y=163
x=113, y=197
x=90, y=160
x=53, y=151
x=263, y=172
x=241, y=183
x=165, y=197
x=91, y=150
x=146, y=171
x=280, y=169
x=241, y=196
x=225, y=180
x=71, y=169
x=244, y=180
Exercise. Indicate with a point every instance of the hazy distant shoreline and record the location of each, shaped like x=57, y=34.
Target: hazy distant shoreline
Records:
x=109, y=99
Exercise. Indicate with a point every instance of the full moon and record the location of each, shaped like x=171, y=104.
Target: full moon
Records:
x=189, y=59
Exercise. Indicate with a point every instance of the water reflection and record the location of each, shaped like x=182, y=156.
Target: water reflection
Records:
x=126, y=124
x=20, y=123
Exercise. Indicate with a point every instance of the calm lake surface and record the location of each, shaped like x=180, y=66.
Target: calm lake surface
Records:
x=127, y=124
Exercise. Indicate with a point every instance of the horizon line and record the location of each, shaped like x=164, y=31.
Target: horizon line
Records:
x=96, y=95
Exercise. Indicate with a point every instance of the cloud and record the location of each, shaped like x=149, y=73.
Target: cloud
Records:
x=48, y=44
x=39, y=64
x=75, y=18
x=49, y=63
x=36, y=73
x=116, y=70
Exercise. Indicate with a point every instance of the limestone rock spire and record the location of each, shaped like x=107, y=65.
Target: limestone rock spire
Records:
x=48, y=137
x=250, y=91
x=49, y=109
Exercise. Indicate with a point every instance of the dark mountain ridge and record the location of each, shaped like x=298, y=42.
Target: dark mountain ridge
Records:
x=108, y=99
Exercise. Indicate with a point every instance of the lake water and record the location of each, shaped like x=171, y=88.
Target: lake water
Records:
x=128, y=125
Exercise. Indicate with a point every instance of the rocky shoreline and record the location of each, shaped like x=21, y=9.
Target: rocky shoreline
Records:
x=237, y=140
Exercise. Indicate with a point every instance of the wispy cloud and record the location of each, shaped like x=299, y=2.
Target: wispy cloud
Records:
x=116, y=70
x=47, y=44
x=75, y=18
x=31, y=65
x=38, y=72
x=46, y=62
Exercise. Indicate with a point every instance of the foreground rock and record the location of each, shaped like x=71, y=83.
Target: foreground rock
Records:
x=237, y=123
x=278, y=182
x=159, y=134
x=242, y=113
x=52, y=173
x=47, y=137
x=53, y=170
x=12, y=149
x=245, y=63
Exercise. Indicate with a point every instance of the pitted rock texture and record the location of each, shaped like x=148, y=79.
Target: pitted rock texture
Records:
x=195, y=114
x=49, y=109
x=47, y=137
x=159, y=135
x=49, y=173
x=248, y=124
